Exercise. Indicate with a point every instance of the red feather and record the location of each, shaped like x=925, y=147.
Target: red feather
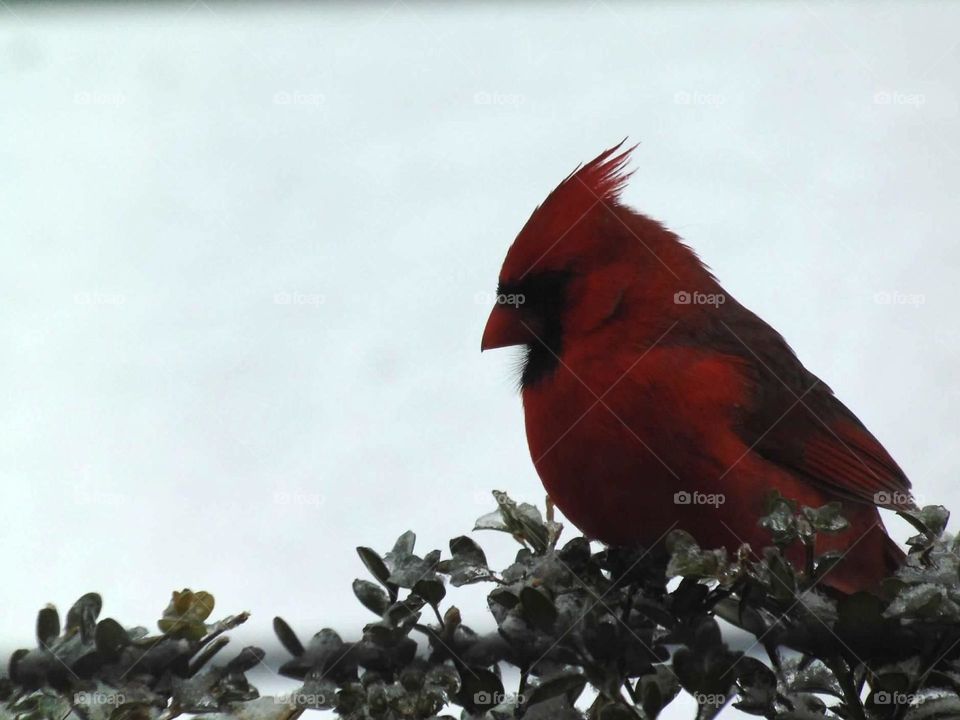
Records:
x=646, y=384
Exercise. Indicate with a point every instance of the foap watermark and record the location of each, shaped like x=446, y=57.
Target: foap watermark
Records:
x=885, y=697
x=895, y=498
x=92, y=497
x=299, y=98
x=97, y=298
x=514, y=299
x=695, y=97
x=710, y=699
x=887, y=297
x=299, y=298
x=99, y=697
x=496, y=698
x=698, y=498
x=684, y=297
x=896, y=97
x=99, y=98
x=299, y=698
x=297, y=497
x=486, y=97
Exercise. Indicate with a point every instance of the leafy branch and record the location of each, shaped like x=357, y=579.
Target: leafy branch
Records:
x=589, y=632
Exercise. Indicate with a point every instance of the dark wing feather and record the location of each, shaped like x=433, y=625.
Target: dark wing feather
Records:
x=793, y=419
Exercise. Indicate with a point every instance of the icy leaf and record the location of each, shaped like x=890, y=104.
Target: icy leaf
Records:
x=110, y=638
x=48, y=625
x=687, y=559
x=480, y=689
x=826, y=518
x=468, y=564
x=371, y=596
x=404, y=544
x=931, y=519
x=523, y=521
x=571, y=684
x=407, y=570
x=375, y=565
x=916, y=601
x=657, y=690
x=431, y=590
x=758, y=687
x=942, y=708
x=288, y=638
x=538, y=609
x=83, y=615
x=781, y=523
x=491, y=521
x=813, y=678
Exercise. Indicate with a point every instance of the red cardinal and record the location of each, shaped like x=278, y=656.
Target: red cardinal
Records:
x=654, y=400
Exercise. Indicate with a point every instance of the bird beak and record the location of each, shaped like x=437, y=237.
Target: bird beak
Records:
x=504, y=328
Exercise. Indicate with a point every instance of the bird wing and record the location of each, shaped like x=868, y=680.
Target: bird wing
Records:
x=792, y=418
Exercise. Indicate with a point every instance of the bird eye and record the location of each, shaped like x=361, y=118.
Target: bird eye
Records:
x=541, y=298
x=545, y=291
x=511, y=295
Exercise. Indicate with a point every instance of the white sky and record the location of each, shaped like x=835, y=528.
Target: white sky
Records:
x=170, y=173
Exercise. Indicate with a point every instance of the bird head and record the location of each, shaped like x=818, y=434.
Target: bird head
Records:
x=584, y=265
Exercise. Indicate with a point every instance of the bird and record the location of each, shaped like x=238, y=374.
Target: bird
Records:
x=654, y=401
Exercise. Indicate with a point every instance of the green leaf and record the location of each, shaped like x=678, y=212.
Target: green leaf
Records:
x=538, y=609
x=935, y=518
x=110, y=638
x=812, y=677
x=523, y=521
x=246, y=660
x=781, y=522
x=742, y=615
x=826, y=518
x=918, y=601
x=708, y=674
x=431, y=590
x=407, y=570
x=83, y=615
x=504, y=597
x=657, y=690
x=571, y=684
x=371, y=596
x=443, y=677
x=943, y=708
x=405, y=544
x=468, y=565
x=465, y=549
x=288, y=638
x=480, y=689
x=687, y=559
x=930, y=521
x=758, y=687
x=375, y=565
x=404, y=614
x=491, y=521
x=48, y=625
x=783, y=579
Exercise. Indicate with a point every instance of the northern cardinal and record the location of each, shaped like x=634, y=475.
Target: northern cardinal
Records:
x=654, y=400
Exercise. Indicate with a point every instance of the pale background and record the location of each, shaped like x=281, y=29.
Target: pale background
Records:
x=246, y=254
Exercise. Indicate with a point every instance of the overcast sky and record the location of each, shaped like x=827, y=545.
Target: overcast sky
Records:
x=246, y=254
